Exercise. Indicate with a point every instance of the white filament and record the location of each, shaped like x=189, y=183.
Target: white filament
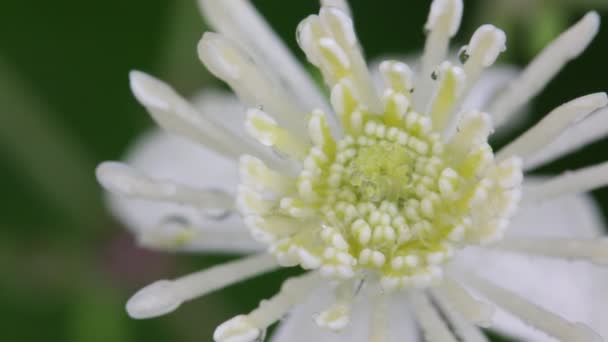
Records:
x=545, y=66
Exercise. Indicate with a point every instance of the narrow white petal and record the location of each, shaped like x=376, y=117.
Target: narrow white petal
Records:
x=591, y=129
x=164, y=296
x=474, y=310
x=570, y=183
x=162, y=156
x=545, y=66
x=176, y=115
x=530, y=313
x=239, y=20
x=223, y=107
x=442, y=24
x=491, y=81
x=594, y=250
x=127, y=181
x=175, y=233
x=379, y=330
x=463, y=327
x=552, y=125
x=577, y=289
x=300, y=326
x=434, y=327
x=253, y=85
x=247, y=328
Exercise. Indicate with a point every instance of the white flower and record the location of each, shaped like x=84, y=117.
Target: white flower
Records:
x=391, y=199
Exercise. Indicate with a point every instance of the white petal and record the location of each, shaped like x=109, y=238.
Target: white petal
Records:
x=300, y=326
x=573, y=290
x=591, y=129
x=168, y=157
x=489, y=84
x=239, y=20
x=569, y=45
x=224, y=108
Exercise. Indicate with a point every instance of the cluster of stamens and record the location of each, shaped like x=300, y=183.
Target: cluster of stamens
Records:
x=390, y=201
x=395, y=195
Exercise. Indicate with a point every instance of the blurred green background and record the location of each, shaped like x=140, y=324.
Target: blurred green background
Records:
x=65, y=105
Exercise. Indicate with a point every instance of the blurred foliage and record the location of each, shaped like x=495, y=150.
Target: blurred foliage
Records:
x=65, y=106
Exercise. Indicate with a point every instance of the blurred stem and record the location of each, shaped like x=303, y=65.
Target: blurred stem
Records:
x=45, y=153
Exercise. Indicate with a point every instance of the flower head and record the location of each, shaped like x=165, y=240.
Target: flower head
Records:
x=377, y=194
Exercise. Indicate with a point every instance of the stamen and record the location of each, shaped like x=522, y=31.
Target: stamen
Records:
x=586, y=132
x=531, y=314
x=330, y=43
x=247, y=328
x=570, y=183
x=544, y=67
x=248, y=201
x=379, y=321
x=474, y=310
x=442, y=24
x=449, y=87
x=127, y=181
x=432, y=325
x=472, y=131
x=270, y=228
x=255, y=174
x=593, y=250
x=341, y=27
x=265, y=129
x=339, y=4
x=239, y=21
x=484, y=48
x=397, y=76
x=554, y=123
x=337, y=317
x=164, y=296
x=230, y=63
